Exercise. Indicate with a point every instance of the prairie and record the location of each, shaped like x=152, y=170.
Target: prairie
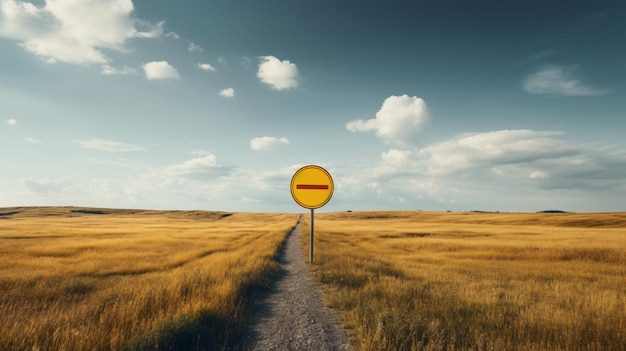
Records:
x=101, y=279
x=475, y=281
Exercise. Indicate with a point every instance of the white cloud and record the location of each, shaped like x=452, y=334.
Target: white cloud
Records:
x=473, y=166
x=267, y=143
x=470, y=150
x=206, y=67
x=33, y=140
x=194, y=48
x=11, y=121
x=107, y=145
x=172, y=35
x=399, y=120
x=160, y=70
x=74, y=31
x=201, y=167
x=109, y=70
x=396, y=162
x=559, y=80
x=279, y=75
x=228, y=93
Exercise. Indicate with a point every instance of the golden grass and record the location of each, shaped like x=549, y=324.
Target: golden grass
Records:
x=475, y=281
x=128, y=280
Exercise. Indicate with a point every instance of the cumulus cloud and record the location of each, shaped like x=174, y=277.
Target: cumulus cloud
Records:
x=397, y=163
x=33, y=140
x=267, y=143
x=160, y=70
x=559, y=80
x=279, y=75
x=74, y=31
x=227, y=93
x=399, y=120
x=11, y=121
x=107, y=145
x=201, y=167
x=206, y=67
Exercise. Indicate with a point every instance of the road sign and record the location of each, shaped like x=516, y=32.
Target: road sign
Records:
x=312, y=186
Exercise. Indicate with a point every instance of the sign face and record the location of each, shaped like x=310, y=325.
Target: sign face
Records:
x=312, y=187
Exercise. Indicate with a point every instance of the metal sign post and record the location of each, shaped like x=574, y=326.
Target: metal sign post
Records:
x=312, y=187
x=311, y=239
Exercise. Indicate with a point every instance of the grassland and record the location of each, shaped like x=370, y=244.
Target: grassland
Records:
x=131, y=280
x=475, y=281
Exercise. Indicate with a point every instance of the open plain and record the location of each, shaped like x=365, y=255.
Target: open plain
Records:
x=475, y=281
x=102, y=279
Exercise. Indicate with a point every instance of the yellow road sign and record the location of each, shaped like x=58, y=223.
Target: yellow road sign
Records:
x=312, y=186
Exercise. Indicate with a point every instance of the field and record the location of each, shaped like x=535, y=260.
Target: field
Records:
x=475, y=281
x=100, y=279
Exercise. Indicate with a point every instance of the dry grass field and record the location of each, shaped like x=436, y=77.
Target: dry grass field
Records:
x=131, y=280
x=475, y=281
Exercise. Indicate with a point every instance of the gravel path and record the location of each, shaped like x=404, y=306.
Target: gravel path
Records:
x=292, y=315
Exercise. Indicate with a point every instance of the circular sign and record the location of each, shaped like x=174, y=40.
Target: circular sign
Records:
x=312, y=186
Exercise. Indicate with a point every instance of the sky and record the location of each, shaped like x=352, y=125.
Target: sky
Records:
x=410, y=105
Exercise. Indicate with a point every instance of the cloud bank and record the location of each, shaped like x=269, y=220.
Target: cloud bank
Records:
x=472, y=150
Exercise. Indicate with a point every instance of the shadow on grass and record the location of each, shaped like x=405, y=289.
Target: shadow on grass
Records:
x=183, y=333
x=210, y=331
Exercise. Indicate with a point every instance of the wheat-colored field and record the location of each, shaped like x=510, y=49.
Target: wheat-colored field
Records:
x=475, y=281
x=105, y=279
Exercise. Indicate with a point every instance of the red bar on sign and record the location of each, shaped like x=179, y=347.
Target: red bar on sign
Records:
x=312, y=186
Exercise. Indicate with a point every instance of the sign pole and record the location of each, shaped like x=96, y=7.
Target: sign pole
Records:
x=311, y=240
x=312, y=187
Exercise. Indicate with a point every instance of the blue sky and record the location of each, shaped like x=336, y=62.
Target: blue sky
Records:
x=447, y=105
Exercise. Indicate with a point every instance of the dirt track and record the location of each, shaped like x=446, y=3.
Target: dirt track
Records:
x=292, y=315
